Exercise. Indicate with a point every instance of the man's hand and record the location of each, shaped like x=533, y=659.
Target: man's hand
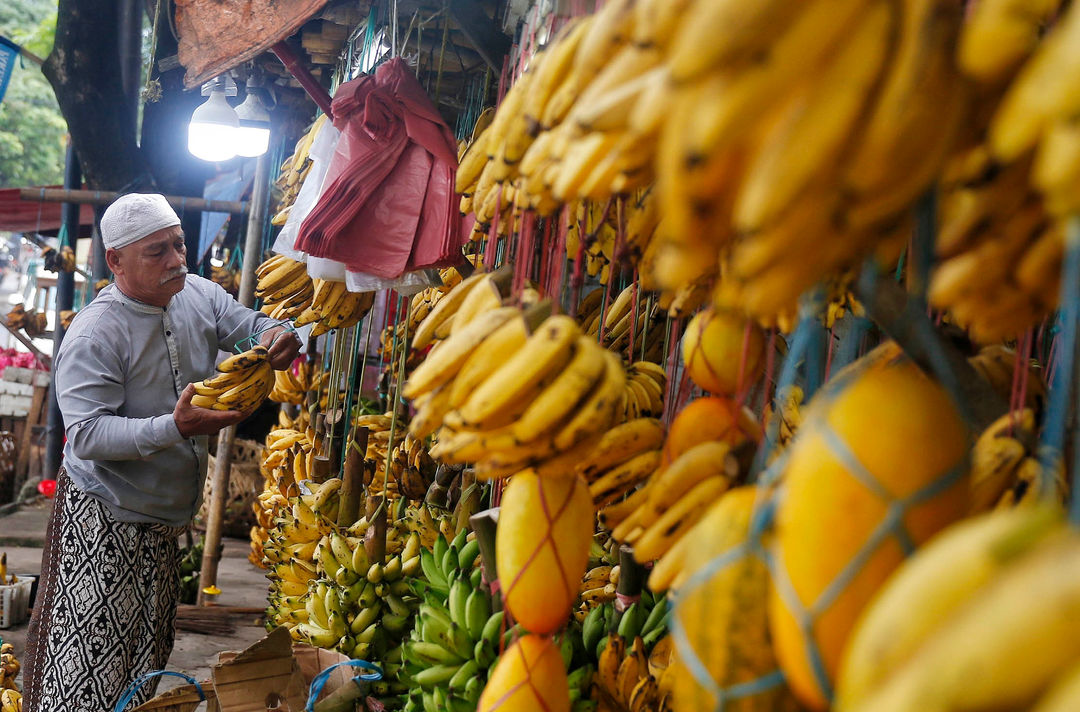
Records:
x=283, y=345
x=191, y=420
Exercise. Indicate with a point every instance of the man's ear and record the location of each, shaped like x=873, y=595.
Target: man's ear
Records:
x=112, y=259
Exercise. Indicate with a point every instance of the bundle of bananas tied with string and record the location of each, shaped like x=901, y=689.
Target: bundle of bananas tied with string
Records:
x=597, y=589
x=242, y=383
x=674, y=498
x=512, y=390
x=290, y=387
x=66, y=316
x=289, y=551
x=333, y=306
x=294, y=170
x=59, y=261
x=1005, y=470
x=9, y=668
x=630, y=679
x=999, y=252
x=786, y=140
x=626, y=322
x=284, y=287
x=227, y=278
x=33, y=322
x=421, y=305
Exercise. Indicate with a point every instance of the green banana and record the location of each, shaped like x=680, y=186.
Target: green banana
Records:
x=656, y=617
x=433, y=653
x=465, y=673
x=435, y=675
x=592, y=629
x=477, y=612
x=467, y=555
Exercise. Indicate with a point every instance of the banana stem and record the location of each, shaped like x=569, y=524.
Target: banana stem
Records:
x=352, y=481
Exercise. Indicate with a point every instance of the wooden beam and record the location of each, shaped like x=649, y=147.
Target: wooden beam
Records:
x=104, y=197
x=481, y=31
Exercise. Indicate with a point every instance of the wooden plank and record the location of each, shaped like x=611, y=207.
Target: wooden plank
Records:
x=37, y=408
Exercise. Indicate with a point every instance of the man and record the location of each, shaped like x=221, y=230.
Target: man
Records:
x=134, y=462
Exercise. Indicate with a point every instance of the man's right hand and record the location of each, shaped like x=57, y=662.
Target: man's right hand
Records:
x=191, y=420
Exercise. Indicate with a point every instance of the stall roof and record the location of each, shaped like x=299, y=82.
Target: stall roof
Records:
x=18, y=215
x=217, y=35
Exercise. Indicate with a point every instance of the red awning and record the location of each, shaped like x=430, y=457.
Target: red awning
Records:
x=18, y=215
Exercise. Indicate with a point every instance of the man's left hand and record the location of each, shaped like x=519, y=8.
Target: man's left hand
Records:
x=283, y=345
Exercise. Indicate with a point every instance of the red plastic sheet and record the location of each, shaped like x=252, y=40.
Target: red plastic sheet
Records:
x=388, y=204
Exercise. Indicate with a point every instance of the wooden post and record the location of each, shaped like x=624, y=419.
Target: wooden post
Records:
x=352, y=479
x=220, y=492
x=484, y=524
x=215, y=513
x=32, y=418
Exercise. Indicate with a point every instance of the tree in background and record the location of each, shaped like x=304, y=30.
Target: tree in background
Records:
x=32, y=131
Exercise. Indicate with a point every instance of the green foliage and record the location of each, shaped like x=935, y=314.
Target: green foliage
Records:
x=32, y=131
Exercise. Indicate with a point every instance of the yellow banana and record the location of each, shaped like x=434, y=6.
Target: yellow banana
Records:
x=569, y=388
x=622, y=478
x=658, y=538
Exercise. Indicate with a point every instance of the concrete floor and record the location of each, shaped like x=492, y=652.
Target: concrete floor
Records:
x=22, y=536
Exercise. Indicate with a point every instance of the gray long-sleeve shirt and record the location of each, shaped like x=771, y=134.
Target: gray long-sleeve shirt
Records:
x=118, y=376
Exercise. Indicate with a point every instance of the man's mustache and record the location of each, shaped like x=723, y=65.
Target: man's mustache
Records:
x=179, y=272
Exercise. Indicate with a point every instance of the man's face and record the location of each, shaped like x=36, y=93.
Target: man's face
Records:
x=151, y=270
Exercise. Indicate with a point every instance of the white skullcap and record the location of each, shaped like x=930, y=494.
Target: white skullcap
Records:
x=134, y=216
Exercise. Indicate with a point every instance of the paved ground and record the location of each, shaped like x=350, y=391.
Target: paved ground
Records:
x=22, y=536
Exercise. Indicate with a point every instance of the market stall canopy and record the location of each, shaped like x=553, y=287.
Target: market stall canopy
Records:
x=18, y=215
x=217, y=35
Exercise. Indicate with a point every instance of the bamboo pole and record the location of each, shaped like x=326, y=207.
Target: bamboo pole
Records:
x=215, y=514
x=105, y=197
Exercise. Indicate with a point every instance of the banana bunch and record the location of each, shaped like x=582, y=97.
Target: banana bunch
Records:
x=999, y=252
x=1005, y=470
x=1037, y=112
x=622, y=322
x=17, y=316
x=292, y=387
x=10, y=701
x=644, y=395
x=456, y=639
x=359, y=607
x=674, y=498
x=227, y=278
x=509, y=397
x=295, y=537
x=997, y=364
x=9, y=667
x=62, y=261
x=645, y=618
x=333, y=306
x=979, y=572
x=268, y=506
x=284, y=287
x=421, y=305
x=785, y=421
x=66, y=316
x=33, y=322
x=412, y=468
x=294, y=170
x=288, y=459
x=624, y=681
x=470, y=297
x=429, y=524
x=242, y=383
x=621, y=458
x=597, y=589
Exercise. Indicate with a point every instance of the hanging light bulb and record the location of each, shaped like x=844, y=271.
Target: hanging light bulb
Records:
x=253, y=135
x=213, y=126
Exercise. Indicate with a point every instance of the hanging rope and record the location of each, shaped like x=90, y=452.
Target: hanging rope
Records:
x=151, y=91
